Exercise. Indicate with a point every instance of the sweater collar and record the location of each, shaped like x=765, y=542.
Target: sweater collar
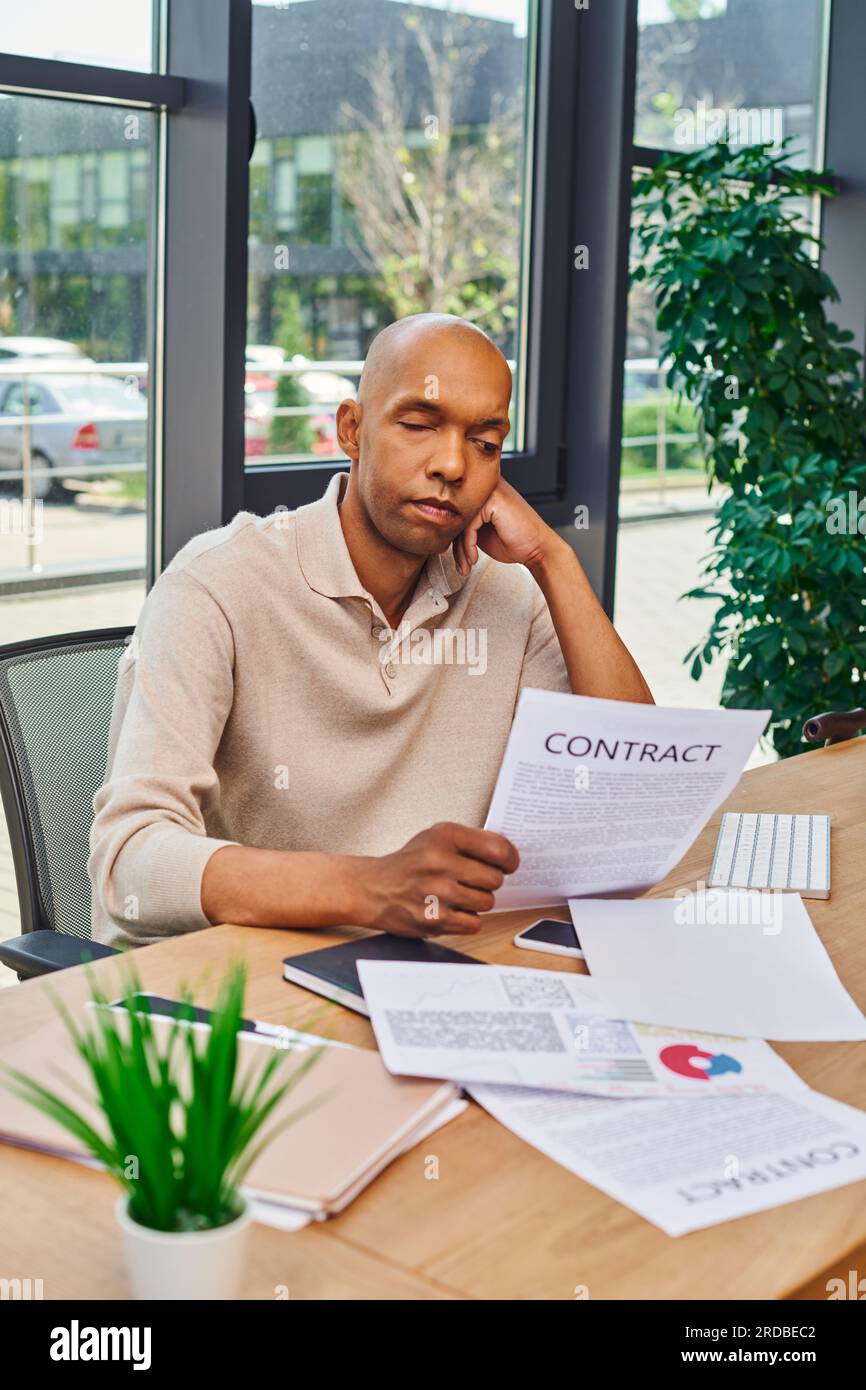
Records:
x=324, y=556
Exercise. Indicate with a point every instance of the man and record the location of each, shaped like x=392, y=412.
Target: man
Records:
x=312, y=712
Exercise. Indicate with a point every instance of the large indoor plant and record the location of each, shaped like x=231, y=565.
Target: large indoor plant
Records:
x=779, y=393
x=179, y=1125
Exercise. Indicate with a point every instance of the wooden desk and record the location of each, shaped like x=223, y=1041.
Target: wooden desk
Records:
x=501, y=1220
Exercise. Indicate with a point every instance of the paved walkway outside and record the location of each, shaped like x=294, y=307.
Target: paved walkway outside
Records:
x=70, y=535
x=656, y=562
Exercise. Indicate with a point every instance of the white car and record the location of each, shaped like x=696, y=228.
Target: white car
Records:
x=55, y=348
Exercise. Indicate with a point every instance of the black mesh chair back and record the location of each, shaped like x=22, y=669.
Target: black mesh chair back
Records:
x=56, y=698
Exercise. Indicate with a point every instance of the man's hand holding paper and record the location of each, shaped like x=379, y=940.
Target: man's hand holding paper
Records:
x=604, y=797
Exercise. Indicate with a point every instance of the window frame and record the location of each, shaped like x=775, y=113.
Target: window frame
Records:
x=197, y=278
x=573, y=321
x=584, y=65
x=537, y=469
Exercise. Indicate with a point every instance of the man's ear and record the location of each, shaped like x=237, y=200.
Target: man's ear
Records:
x=349, y=414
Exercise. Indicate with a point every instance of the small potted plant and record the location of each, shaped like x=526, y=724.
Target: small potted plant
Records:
x=182, y=1129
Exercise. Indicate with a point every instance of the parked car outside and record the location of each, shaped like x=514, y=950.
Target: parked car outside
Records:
x=81, y=426
x=57, y=348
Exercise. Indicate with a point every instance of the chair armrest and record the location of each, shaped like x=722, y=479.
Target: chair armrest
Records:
x=41, y=952
x=834, y=726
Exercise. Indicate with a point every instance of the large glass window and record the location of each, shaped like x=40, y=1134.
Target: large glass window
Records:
x=112, y=33
x=389, y=178
x=75, y=257
x=74, y=344
x=751, y=70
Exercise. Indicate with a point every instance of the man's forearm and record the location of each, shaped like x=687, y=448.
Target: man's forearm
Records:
x=281, y=888
x=597, y=660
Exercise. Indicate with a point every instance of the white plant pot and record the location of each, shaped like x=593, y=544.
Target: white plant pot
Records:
x=186, y=1264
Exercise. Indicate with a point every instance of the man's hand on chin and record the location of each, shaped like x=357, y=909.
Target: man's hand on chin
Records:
x=507, y=529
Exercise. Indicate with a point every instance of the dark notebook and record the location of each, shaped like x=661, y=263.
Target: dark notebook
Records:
x=333, y=971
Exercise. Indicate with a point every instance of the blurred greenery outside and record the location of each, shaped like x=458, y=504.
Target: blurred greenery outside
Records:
x=640, y=420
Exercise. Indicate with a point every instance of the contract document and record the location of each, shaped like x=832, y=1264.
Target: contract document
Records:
x=547, y=1028
x=684, y=1166
x=603, y=797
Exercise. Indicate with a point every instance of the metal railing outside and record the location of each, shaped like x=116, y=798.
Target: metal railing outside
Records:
x=23, y=517
x=656, y=373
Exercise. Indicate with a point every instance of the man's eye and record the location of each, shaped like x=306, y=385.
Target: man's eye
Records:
x=487, y=446
x=407, y=425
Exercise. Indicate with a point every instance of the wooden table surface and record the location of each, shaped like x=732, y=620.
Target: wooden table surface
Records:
x=501, y=1220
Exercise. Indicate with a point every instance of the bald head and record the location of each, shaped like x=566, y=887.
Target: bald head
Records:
x=390, y=347
x=429, y=422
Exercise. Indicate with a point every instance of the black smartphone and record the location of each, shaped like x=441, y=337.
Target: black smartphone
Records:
x=159, y=1007
x=556, y=938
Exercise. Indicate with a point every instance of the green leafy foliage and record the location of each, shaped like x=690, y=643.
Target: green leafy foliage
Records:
x=779, y=395
x=182, y=1127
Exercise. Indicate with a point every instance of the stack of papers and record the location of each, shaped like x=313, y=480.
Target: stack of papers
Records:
x=608, y=1076
x=546, y=1029
x=653, y=1081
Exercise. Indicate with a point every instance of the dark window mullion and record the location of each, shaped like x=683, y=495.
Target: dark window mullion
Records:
x=206, y=221
x=87, y=82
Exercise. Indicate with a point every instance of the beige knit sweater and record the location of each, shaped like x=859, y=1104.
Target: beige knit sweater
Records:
x=264, y=702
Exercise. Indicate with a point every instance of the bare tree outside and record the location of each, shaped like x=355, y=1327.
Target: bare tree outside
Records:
x=437, y=210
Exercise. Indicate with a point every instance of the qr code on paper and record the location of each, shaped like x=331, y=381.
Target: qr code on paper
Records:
x=525, y=992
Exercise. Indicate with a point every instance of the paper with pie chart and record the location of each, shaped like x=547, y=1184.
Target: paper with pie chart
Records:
x=547, y=1029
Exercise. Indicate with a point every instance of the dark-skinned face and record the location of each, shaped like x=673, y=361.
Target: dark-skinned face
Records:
x=427, y=439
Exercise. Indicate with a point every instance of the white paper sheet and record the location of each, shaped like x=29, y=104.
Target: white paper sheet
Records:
x=749, y=964
x=546, y=1028
x=603, y=796
x=280, y=1216
x=683, y=1166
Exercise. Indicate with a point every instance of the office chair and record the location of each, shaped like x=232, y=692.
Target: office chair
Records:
x=835, y=726
x=56, y=697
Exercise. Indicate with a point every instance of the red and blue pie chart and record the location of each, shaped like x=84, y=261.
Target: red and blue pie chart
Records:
x=687, y=1060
